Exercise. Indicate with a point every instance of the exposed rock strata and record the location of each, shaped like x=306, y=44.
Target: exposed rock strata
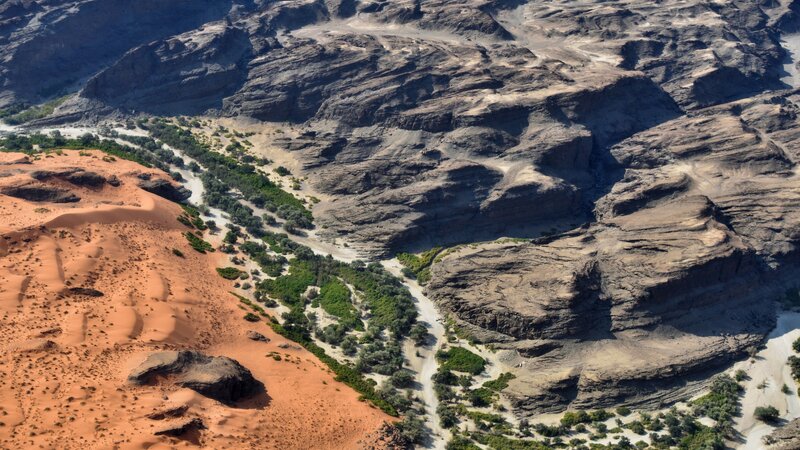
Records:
x=786, y=437
x=677, y=275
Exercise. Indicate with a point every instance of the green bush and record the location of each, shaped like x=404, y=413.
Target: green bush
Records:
x=460, y=359
x=418, y=265
x=461, y=443
x=500, y=383
x=570, y=418
x=794, y=365
x=623, y=411
x=177, y=253
x=250, y=317
x=722, y=402
x=766, y=413
x=198, y=244
x=335, y=299
x=230, y=273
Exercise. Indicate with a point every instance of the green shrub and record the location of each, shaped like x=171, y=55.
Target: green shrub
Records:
x=794, y=365
x=570, y=418
x=461, y=443
x=500, y=383
x=177, y=253
x=418, y=265
x=335, y=299
x=230, y=273
x=481, y=397
x=623, y=411
x=412, y=428
x=250, y=317
x=198, y=244
x=722, y=402
x=766, y=413
x=460, y=359
x=447, y=416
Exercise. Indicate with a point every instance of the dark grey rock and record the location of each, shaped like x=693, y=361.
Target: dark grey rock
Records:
x=256, y=336
x=85, y=292
x=37, y=192
x=78, y=177
x=164, y=188
x=216, y=377
x=181, y=427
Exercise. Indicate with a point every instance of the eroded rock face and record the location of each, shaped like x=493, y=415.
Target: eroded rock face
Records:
x=786, y=437
x=676, y=275
x=217, y=377
x=39, y=192
x=501, y=105
x=76, y=176
x=164, y=188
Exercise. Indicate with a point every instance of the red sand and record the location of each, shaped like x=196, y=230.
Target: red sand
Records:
x=64, y=359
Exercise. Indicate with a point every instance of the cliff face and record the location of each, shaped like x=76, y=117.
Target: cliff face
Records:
x=678, y=273
x=424, y=116
x=439, y=122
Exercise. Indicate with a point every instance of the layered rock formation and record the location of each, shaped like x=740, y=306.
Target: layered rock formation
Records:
x=786, y=437
x=677, y=275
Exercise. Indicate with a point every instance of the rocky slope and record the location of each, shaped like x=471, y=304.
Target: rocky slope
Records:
x=110, y=339
x=677, y=275
x=654, y=143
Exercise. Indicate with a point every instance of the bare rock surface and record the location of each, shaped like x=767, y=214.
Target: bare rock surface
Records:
x=676, y=275
x=786, y=437
x=39, y=192
x=218, y=377
x=164, y=188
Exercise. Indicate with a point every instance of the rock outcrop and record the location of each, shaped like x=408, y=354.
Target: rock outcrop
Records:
x=39, y=192
x=786, y=437
x=677, y=273
x=76, y=176
x=164, y=188
x=216, y=377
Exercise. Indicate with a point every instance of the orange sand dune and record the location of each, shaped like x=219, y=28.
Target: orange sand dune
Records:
x=64, y=358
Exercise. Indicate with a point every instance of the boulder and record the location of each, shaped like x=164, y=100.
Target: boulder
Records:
x=217, y=377
x=256, y=336
x=164, y=188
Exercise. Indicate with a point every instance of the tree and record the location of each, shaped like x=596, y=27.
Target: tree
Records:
x=412, y=428
x=766, y=413
x=419, y=333
x=402, y=379
x=447, y=416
